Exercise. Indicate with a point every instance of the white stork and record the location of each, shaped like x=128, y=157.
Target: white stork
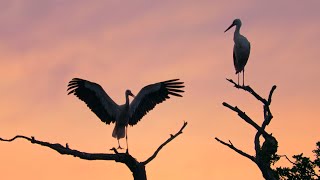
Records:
x=241, y=48
x=129, y=113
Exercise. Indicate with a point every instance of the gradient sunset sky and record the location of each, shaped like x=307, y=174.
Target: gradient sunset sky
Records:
x=130, y=44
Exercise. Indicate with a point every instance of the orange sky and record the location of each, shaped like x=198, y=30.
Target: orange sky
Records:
x=44, y=44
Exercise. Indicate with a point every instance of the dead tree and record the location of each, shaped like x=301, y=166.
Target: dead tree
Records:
x=137, y=168
x=265, y=155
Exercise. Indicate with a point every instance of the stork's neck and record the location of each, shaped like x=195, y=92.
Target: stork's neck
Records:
x=237, y=31
x=127, y=101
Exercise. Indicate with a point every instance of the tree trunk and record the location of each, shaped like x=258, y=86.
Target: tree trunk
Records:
x=139, y=173
x=267, y=172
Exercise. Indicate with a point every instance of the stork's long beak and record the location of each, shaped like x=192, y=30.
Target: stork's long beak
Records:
x=229, y=27
x=132, y=95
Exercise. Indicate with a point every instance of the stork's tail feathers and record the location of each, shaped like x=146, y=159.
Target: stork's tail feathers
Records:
x=119, y=132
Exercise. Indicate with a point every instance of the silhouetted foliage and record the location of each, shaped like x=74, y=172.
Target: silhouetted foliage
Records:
x=303, y=167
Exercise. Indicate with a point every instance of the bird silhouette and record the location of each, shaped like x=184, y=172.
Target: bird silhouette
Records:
x=129, y=113
x=241, y=49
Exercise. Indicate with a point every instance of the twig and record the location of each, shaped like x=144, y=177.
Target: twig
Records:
x=18, y=136
x=231, y=146
x=271, y=93
x=163, y=144
x=287, y=159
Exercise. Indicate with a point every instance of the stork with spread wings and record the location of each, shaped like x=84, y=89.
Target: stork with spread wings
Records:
x=129, y=113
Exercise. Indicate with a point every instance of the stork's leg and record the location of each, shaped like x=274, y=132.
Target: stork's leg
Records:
x=119, y=147
x=243, y=78
x=127, y=139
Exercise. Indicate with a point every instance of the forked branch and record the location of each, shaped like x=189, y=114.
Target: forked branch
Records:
x=137, y=168
x=165, y=143
x=256, y=95
x=231, y=146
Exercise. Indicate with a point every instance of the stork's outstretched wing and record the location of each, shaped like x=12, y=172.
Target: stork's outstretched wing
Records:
x=96, y=99
x=150, y=96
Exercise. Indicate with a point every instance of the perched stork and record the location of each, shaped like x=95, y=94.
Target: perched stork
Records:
x=241, y=49
x=129, y=113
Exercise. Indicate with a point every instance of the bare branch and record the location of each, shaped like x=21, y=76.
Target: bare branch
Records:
x=114, y=150
x=246, y=118
x=231, y=146
x=248, y=89
x=251, y=91
x=267, y=113
x=267, y=116
x=137, y=168
x=163, y=144
x=235, y=84
x=287, y=159
x=18, y=136
x=266, y=109
x=271, y=93
x=67, y=151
